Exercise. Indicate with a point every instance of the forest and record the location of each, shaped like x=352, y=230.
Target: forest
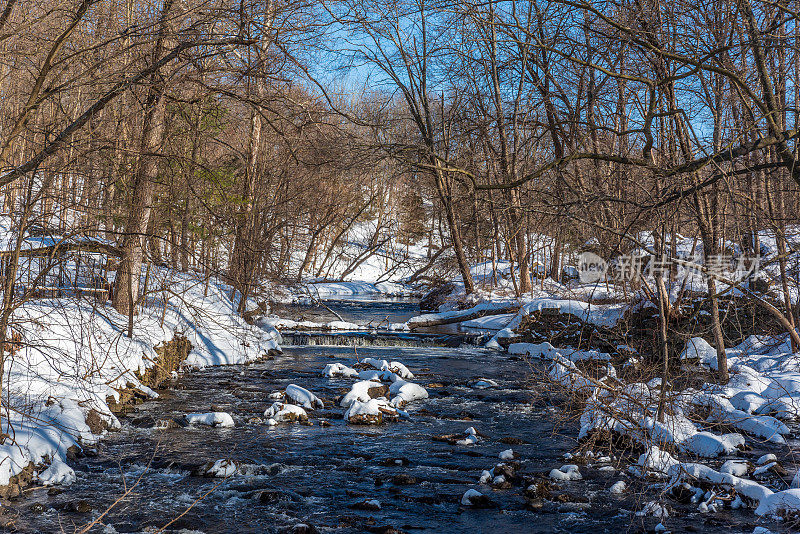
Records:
x=601, y=194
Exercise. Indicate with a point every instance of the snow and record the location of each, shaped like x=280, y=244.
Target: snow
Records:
x=653, y=509
x=338, y=369
x=695, y=471
x=58, y=473
x=722, y=411
x=484, y=308
x=285, y=413
x=357, y=407
x=780, y=503
x=220, y=419
x=766, y=458
x=357, y=288
x=394, y=367
x=708, y=445
x=405, y=392
x=359, y=392
x=303, y=397
x=507, y=455
x=736, y=468
x=222, y=469
x=617, y=488
x=656, y=460
x=470, y=437
x=605, y=315
x=489, y=323
x=546, y=351
x=699, y=349
x=566, y=472
x=74, y=356
x=764, y=469
x=468, y=495
x=484, y=383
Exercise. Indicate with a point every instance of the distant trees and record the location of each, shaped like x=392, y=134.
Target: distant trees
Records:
x=233, y=138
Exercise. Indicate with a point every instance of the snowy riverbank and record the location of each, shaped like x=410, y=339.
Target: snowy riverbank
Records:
x=74, y=356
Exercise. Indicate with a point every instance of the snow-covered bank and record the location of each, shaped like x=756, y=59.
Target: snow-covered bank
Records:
x=73, y=356
x=700, y=427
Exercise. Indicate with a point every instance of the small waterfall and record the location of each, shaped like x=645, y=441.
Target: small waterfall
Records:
x=379, y=339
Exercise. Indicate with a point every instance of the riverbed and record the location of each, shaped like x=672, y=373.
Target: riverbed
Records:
x=321, y=474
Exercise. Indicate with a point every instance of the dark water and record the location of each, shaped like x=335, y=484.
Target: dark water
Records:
x=293, y=474
x=318, y=472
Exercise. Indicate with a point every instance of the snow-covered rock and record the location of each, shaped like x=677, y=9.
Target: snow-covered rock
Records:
x=222, y=469
x=708, y=445
x=737, y=468
x=782, y=503
x=470, y=437
x=219, y=419
x=57, y=473
x=393, y=367
x=656, y=460
x=617, y=488
x=507, y=455
x=303, y=397
x=566, y=472
x=339, y=369
x=372, y=412
x=363, y=391
x=286, y=413
x=484, y=383
x=404, y=392
x=749, y=489
x=698, y=349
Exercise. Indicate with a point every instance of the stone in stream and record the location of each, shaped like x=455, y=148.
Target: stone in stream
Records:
x=476, y=499
x=273, y=497
x=171, y=423
x=371, y=505
x=404, y=480
x=286, y=413
x=80, y=506
x=95, y=422
x=389, y=462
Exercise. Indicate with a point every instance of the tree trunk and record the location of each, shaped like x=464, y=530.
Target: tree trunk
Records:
x=127, y=282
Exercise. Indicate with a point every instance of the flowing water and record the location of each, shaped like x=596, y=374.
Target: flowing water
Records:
x=291, y=473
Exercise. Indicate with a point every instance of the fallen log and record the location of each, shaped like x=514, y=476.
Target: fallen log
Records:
x=457, y=316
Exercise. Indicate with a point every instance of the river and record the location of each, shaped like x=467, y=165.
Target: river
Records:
x=318, y=475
